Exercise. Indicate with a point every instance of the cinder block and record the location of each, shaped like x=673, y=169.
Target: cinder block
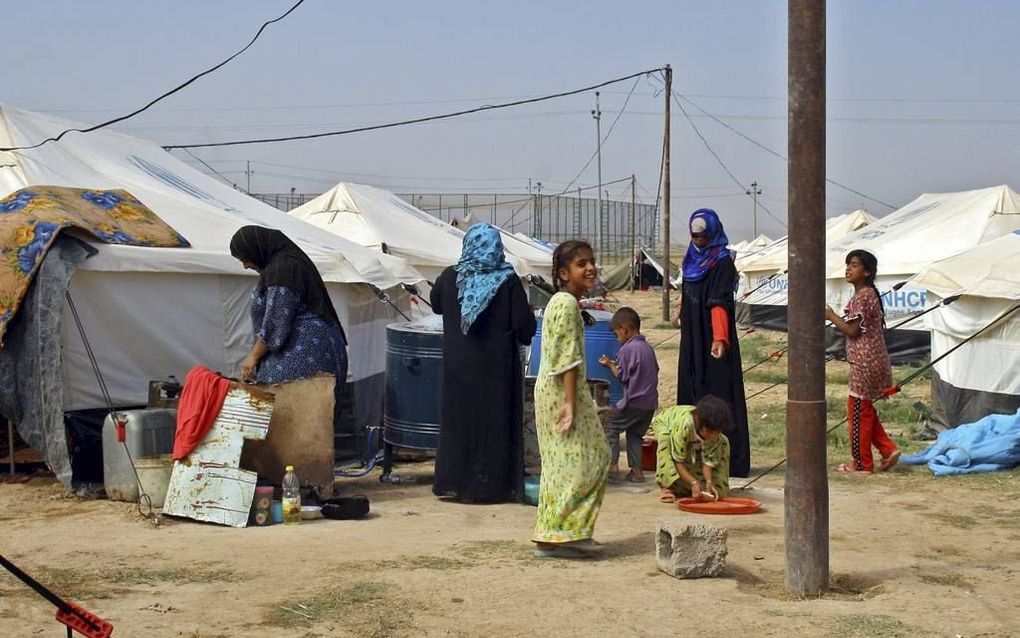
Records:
x=690, y=551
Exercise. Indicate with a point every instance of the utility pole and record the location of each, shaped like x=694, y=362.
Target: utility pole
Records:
x=667, y=94
x=754, y=192
x=633, y=209
x=806, y=494
x=537, y=224
x=247, y=172
x=600, y=230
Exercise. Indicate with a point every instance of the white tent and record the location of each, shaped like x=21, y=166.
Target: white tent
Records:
x=372, y=217
x=150, y=312
x=750, y=247
x=983, y=375
x=932, y=227
x=761, y=295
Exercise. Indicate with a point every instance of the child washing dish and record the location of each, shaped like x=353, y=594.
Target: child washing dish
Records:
x=693, y=457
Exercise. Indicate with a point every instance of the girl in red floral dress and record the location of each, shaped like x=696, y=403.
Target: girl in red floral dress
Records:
x=863, y=324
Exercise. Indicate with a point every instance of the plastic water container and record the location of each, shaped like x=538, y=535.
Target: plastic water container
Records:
x=291, y=497
x=598, y=340
x=148, y=433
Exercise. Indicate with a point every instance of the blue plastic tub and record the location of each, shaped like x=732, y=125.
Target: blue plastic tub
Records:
x=598, y=340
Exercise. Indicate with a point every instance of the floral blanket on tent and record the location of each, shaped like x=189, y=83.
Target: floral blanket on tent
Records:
x=31, y=218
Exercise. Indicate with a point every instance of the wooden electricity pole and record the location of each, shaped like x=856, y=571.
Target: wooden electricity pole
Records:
x=668, y=93
x=807, y=490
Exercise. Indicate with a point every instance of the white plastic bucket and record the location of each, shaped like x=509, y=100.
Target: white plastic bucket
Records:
x=154, y=475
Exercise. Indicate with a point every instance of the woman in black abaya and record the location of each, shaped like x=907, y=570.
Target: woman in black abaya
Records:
x=486, y=318
x=709, y=352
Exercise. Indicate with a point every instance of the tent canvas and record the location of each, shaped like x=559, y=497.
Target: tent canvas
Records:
x=932, y=227
x=763, y=283
x=372, y=217
x=150, y=312
x=983, y=376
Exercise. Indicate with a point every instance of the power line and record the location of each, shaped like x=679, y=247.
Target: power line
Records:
x=602, y=142
x=778, y=154
x=161, y=97
x=719, y=159
x=203, y=162
x=430, y=118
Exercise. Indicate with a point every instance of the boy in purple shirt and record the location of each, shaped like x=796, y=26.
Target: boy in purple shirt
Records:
x=638, y=371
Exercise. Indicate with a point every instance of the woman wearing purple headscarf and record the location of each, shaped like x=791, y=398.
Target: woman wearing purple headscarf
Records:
x=709, y=352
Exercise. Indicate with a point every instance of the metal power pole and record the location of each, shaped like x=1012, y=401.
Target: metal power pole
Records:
x=667, y=94
x=807, y=490
x=633, y=219
x=754, y=192
x=600, y=230
x=247, y=172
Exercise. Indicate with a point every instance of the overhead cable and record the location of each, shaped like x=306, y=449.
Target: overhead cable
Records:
x=57, y=138
x=419, y=120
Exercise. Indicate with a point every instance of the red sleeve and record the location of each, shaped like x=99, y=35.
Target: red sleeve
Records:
x=720, y=325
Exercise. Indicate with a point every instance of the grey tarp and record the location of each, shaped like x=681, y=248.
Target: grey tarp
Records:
x=31, y=369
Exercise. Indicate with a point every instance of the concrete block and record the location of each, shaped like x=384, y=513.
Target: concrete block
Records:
x=683, y=550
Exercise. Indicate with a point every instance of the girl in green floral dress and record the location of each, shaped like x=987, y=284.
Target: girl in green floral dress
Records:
x=693, y=458
x=575, y=452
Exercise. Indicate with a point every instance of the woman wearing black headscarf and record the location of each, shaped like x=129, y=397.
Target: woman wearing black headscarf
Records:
x=297, y=331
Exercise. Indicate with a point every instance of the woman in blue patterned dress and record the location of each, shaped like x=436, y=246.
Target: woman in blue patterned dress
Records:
x=297, y=332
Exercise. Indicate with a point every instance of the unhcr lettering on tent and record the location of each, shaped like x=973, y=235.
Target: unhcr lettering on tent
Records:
x=905, y=301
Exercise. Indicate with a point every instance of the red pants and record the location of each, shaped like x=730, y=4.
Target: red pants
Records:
x=866, y=430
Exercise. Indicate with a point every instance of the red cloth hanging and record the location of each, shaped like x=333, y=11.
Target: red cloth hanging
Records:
x=201, y=400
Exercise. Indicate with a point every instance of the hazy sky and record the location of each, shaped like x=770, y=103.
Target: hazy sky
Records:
x=922, y=94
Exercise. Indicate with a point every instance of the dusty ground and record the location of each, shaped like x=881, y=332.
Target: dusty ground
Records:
x=910, y=556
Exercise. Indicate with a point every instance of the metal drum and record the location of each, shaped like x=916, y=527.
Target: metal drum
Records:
x=414, y=378
x=598, y=340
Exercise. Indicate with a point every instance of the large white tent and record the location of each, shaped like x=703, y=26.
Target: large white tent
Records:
x=150, y=312
x=761, y=295
x=932, y=227
x=982, y=376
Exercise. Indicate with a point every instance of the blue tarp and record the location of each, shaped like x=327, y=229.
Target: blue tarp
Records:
x=988, y=445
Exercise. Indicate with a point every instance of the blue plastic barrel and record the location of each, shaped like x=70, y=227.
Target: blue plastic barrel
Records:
x=414, y=377
x=598, y=340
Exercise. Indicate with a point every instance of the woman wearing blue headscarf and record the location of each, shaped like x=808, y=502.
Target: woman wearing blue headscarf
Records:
x=486, y=318
x=709, y=352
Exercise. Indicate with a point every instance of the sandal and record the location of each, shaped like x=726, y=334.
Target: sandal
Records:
x=667, y=496
x=562, y=551
x=843, y=468
x=634, y=478
x=889, y=461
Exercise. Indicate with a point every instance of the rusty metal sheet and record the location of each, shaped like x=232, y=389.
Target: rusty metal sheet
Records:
x=209, y=485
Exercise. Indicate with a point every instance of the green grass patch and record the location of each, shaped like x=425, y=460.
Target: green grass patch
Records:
x=950, y=579
x=366, y=608
x=861, y=626
x=104, y=582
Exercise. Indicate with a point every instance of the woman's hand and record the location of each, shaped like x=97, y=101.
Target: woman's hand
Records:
x=675, y=318
x=696, y=490
x=248, y=368
x=830, y=314
x=713, y=493
x=718, y=349
x=565, y=418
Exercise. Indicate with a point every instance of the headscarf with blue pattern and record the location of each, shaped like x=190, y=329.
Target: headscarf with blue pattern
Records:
x=482, y=269
x=698, y=261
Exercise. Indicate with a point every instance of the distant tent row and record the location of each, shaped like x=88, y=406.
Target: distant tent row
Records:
x=761, y=293
x=379, y=220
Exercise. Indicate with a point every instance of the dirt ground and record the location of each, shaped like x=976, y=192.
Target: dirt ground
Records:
x=910, y=555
